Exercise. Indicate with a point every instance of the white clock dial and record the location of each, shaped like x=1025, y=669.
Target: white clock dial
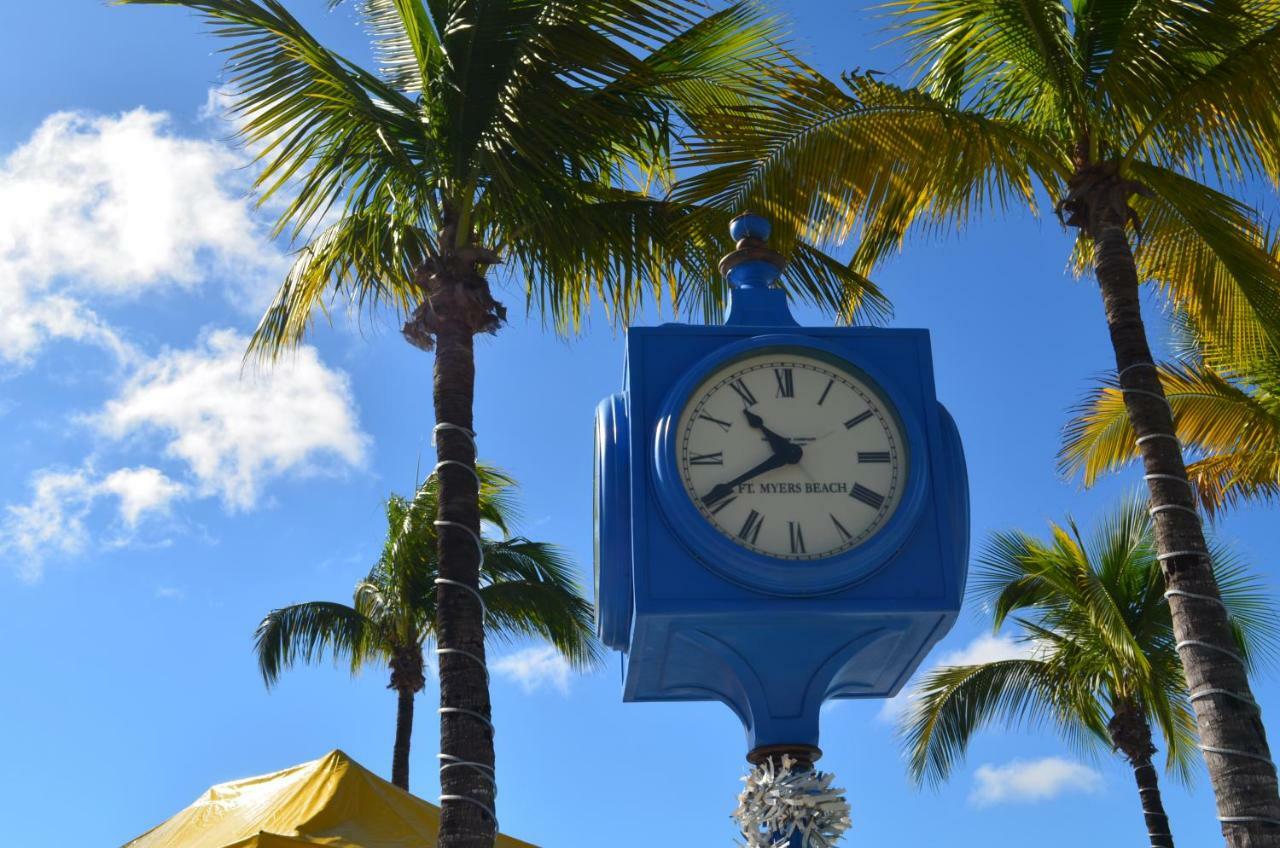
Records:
x=791, y=455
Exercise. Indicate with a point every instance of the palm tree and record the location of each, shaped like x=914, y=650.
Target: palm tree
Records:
x=1227, y=416
x=1102, y=663
x=1127, y=113
x=532, y=132
x=528, y=590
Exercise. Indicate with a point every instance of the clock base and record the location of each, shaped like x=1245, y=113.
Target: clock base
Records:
x=804, y=755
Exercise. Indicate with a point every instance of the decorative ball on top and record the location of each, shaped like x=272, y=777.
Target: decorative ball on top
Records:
x=750, y=225
x=754, y=264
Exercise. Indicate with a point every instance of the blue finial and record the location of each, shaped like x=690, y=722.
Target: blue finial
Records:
x=752, y=270
x=753, y=264
x=750, y=225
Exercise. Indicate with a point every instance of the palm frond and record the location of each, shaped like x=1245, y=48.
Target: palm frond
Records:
x=1154, y=48
x=1094, y=601
x=1168, y=705
x=1208, y=253
x=955, y=702
x=1099, y=436
x=813, y=276
x=1007, y=579
x=1014, y=57
x=622, y=248
x=711, y=64
x=560, y=87
x=406, y=41
x=1120, y=550
x=519, y=559
x=1250, y=603
x=1063, y=582
x=874, y=158
x=306, y=632
x=1103, y=29
x=1227, y=481
x=367, y=255
x=529, y=590
x=1222, y=105
x=1233, y=430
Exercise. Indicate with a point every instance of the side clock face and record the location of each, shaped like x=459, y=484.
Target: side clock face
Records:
x=791, y=456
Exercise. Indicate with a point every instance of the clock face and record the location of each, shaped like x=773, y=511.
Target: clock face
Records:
x=791, y=456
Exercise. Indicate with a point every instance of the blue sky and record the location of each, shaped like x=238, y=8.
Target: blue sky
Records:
x=156, y=502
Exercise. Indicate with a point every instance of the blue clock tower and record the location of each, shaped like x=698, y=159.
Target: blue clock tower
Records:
x=782, y=512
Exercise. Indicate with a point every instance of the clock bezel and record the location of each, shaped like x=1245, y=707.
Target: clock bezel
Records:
x=759, y=571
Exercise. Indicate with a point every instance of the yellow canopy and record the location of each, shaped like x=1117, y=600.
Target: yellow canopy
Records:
x=333, y=801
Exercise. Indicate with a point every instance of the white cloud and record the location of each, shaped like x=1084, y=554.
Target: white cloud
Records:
x=117, y=207
x=170, y=593
x=1022, y=781
x=99, y=210
x=219, y=110
x=894, y=709
x=141, y=490
x=27, y=324
x=535, y=668
x=236, y=427
x=53, y=521
x=986, y=648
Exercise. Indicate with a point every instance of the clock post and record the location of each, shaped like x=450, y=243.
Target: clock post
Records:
x=781, y=519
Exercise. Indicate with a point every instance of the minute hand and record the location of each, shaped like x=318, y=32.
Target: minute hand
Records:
x=776, y=461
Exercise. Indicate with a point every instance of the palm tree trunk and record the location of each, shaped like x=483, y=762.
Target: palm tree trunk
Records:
x=467, y=792
x=404, y=733
x=1231, y=731
x=1152, y=804
x=1131, y=735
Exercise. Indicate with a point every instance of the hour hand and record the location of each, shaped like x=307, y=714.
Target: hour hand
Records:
x=780, y=445
x=777, y=443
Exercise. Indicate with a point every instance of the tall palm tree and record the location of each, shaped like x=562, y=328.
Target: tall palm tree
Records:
x=1227, y=416
x=1136, y=117
x=528, y=590
x=532, y=132
x=1102, y=664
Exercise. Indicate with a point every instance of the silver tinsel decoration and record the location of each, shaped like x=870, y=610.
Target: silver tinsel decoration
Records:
x=779, y=803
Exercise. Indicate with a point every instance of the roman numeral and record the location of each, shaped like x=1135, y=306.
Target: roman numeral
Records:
x=724, y=503
x=873, y=456
x=857, y=419
x=751, y=527
x=786, y=382
x=826, y=391
x=743, y=392
x=797, y=537
x=875, y=500
x=724, y=425
x=716, y=458
x=845, y=535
